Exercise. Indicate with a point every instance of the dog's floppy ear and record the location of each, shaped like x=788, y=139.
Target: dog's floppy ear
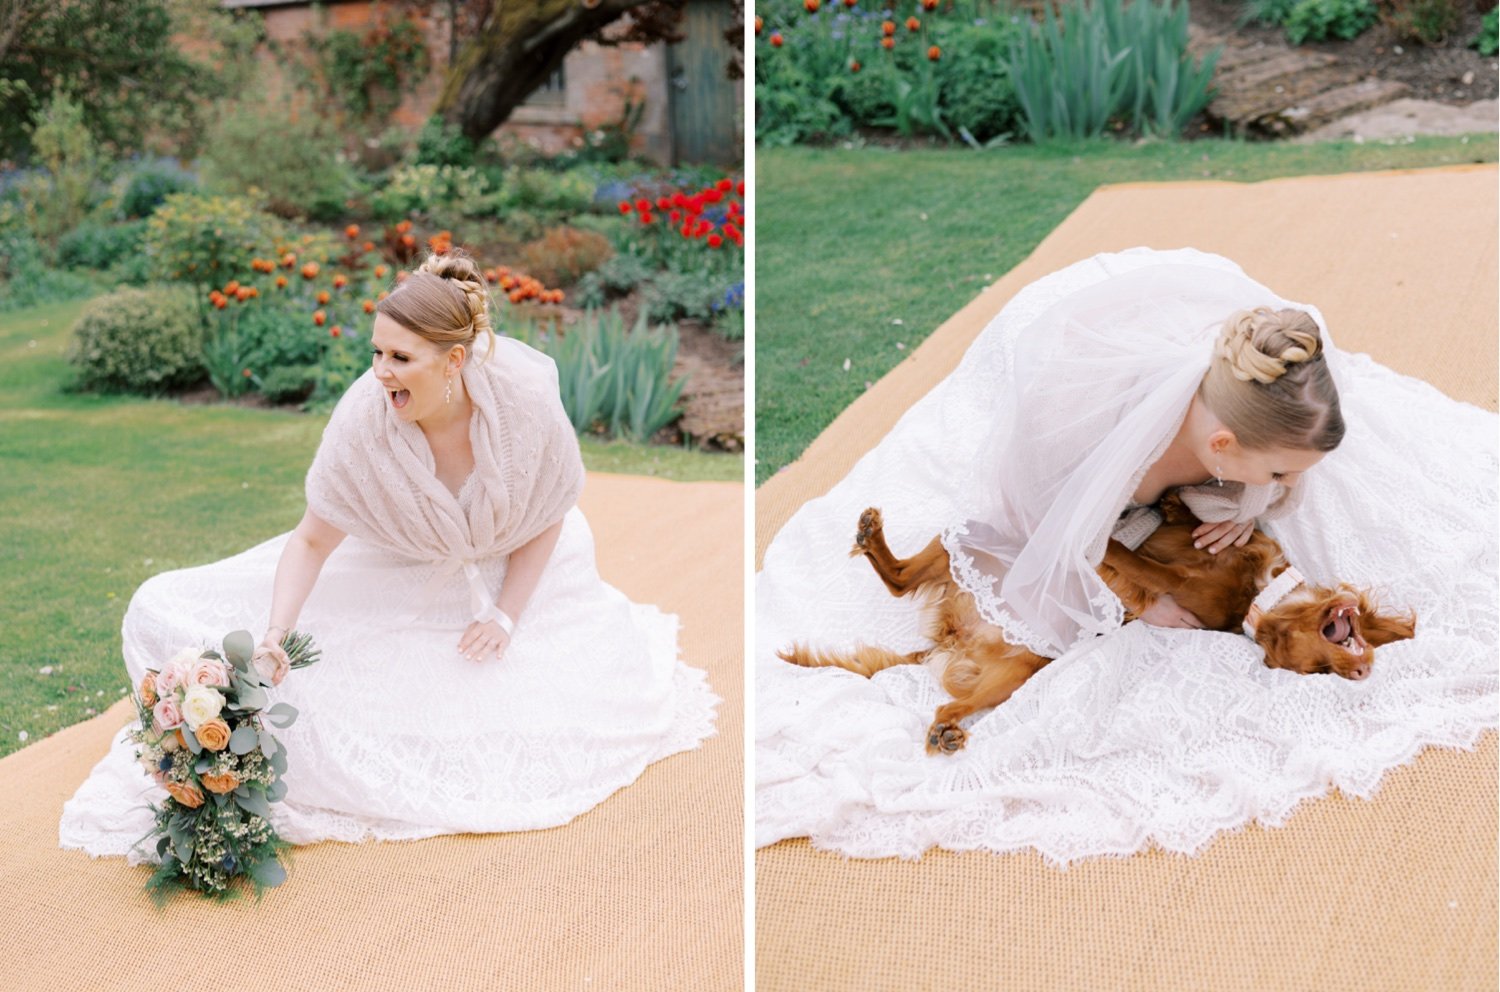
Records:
x=1383, y=628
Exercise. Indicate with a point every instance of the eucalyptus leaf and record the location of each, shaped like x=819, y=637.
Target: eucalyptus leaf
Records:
x=276, y=791
x=161, y=846
x=282, y=715
x=268, y=872
x=192, y=740
x=238, y=647
x=244, y=739
x=255, y=803
x=268, y=743
x=278, y=760
x=250, y=697
x=202, y=764
x=183, y=844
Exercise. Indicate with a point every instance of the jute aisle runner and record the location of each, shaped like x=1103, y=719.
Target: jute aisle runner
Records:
x=1396, y=893
x=642, y=892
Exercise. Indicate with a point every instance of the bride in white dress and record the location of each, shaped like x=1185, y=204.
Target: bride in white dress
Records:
x=1144, y=734
x=448, y=472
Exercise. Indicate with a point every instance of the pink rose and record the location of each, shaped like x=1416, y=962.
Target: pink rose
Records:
x=271, y=663
x=208, y=671
x=168, y=679
x=167, y=714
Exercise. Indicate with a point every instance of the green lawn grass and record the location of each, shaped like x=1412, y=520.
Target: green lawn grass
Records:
x=100, y=493
x=861, y=253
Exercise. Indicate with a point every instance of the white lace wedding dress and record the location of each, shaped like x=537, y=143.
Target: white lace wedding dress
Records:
x=400, y=737
x=1146, y=735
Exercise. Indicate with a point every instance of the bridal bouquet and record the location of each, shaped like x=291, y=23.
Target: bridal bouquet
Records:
x=203, y=738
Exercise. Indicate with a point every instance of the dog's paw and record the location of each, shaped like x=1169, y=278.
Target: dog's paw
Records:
x=945, y=738
x=870, y=524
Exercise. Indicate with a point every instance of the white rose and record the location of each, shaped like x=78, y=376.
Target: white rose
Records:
x=200, y=704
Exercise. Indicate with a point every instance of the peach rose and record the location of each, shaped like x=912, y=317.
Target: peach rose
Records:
x=148, y=689
x=167, y=714
x=186, y=793
x=208, y=671
x=214, y=734
x=271, y=663
x=221, y=784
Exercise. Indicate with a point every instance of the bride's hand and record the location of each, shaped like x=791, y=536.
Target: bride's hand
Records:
x=481, y=640
x=1166, y=613
x=1217, y=537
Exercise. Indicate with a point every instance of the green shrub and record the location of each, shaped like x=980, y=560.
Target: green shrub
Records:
x=92, y=245
x=56, y=199
x=564, y=254
x=547, y=191
x=432, y=191
x=1488, y=38
x=1318, y=20
x=291, y=159
x=139, y=341
x=441, y=143
x=673, y=295
x=151, y=183
x=208, y=240
x=974, y=80
x=1426, y=21
x=289, y=383
x=623, y=272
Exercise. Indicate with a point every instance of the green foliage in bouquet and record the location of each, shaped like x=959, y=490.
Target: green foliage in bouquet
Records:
x=221, y=766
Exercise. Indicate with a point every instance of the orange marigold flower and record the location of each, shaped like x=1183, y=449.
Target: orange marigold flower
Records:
x=508, y=283
x=759, y=23
x=322, y=297
x=381, y=295
x=408, y=240
x=516, y=296
x=380, y=272
x=252, y=291
x=310, y=270
x=558, y=295
x=887, y=42
x=289, y=259
x=912, y=24
x=231, y=286
x=335, y=331
x=368, y=246
x=401, y=276
x=811, y=6
x=929, y=4
x=854, y=65
x=850, y=3
x=776, y=39
x=403, y=227
x=243, y=293
x=247, y=373
x=339, y=282
x=281, y=282
x=887, y=28
x=351, y=232
x=369, y=306
x=220, y=303
x=934, y=53
x=320, y=318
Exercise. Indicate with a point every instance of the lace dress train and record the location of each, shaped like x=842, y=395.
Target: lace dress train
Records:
x=400, y=737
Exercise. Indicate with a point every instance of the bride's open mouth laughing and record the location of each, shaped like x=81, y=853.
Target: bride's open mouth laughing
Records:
x=399, y=397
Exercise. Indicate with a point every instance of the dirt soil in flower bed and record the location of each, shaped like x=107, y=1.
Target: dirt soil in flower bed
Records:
x=1433, y=72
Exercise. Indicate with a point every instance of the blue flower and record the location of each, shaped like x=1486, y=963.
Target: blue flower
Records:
x=229, y=864
x=734, y=298
x=165, y=764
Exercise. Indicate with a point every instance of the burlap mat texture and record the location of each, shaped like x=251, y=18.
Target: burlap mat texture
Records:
x=1396, y=893
x=645, y=891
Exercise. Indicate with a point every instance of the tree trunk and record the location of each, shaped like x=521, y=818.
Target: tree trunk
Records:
x=519, y=46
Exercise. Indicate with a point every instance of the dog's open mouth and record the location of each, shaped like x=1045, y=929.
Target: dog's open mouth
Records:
x=1339, y=629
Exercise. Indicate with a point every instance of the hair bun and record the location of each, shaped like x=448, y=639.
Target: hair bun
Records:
x=1259, y=344
x=462, y=272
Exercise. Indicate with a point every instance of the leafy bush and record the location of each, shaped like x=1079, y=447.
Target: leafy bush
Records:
x=546, y=191
x=1318, y=20
x=289, y=383
x=56, y=199
x=290, y=158
x=1488, y=38
x=207, y=239
x=564, y=254
x=1426, y=21
x=26, y=280
x=92, y=245
x=442, y=143
x=432, y=191
x=623, y=272
x=674, y=295
x=1101, y=61
x=139, y=341
x=151, y=183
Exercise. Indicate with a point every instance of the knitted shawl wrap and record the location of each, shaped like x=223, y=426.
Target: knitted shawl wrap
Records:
x=373, y=475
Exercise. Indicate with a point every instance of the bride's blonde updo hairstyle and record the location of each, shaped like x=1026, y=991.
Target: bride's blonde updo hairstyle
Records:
x=1269, y=382
x=444, y=301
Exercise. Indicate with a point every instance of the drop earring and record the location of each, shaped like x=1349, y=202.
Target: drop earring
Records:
x=1218, y=473
x=448, y=393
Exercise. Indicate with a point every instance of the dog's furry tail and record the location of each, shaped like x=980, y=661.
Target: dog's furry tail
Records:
x=863, y=660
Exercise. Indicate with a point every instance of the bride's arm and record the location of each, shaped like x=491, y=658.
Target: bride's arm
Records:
x=521, y=576
x=297, y=572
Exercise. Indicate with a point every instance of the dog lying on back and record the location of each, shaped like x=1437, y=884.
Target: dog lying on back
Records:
x=1304, y=628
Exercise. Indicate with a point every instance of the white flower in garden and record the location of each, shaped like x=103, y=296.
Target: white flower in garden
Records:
x=200, y=704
